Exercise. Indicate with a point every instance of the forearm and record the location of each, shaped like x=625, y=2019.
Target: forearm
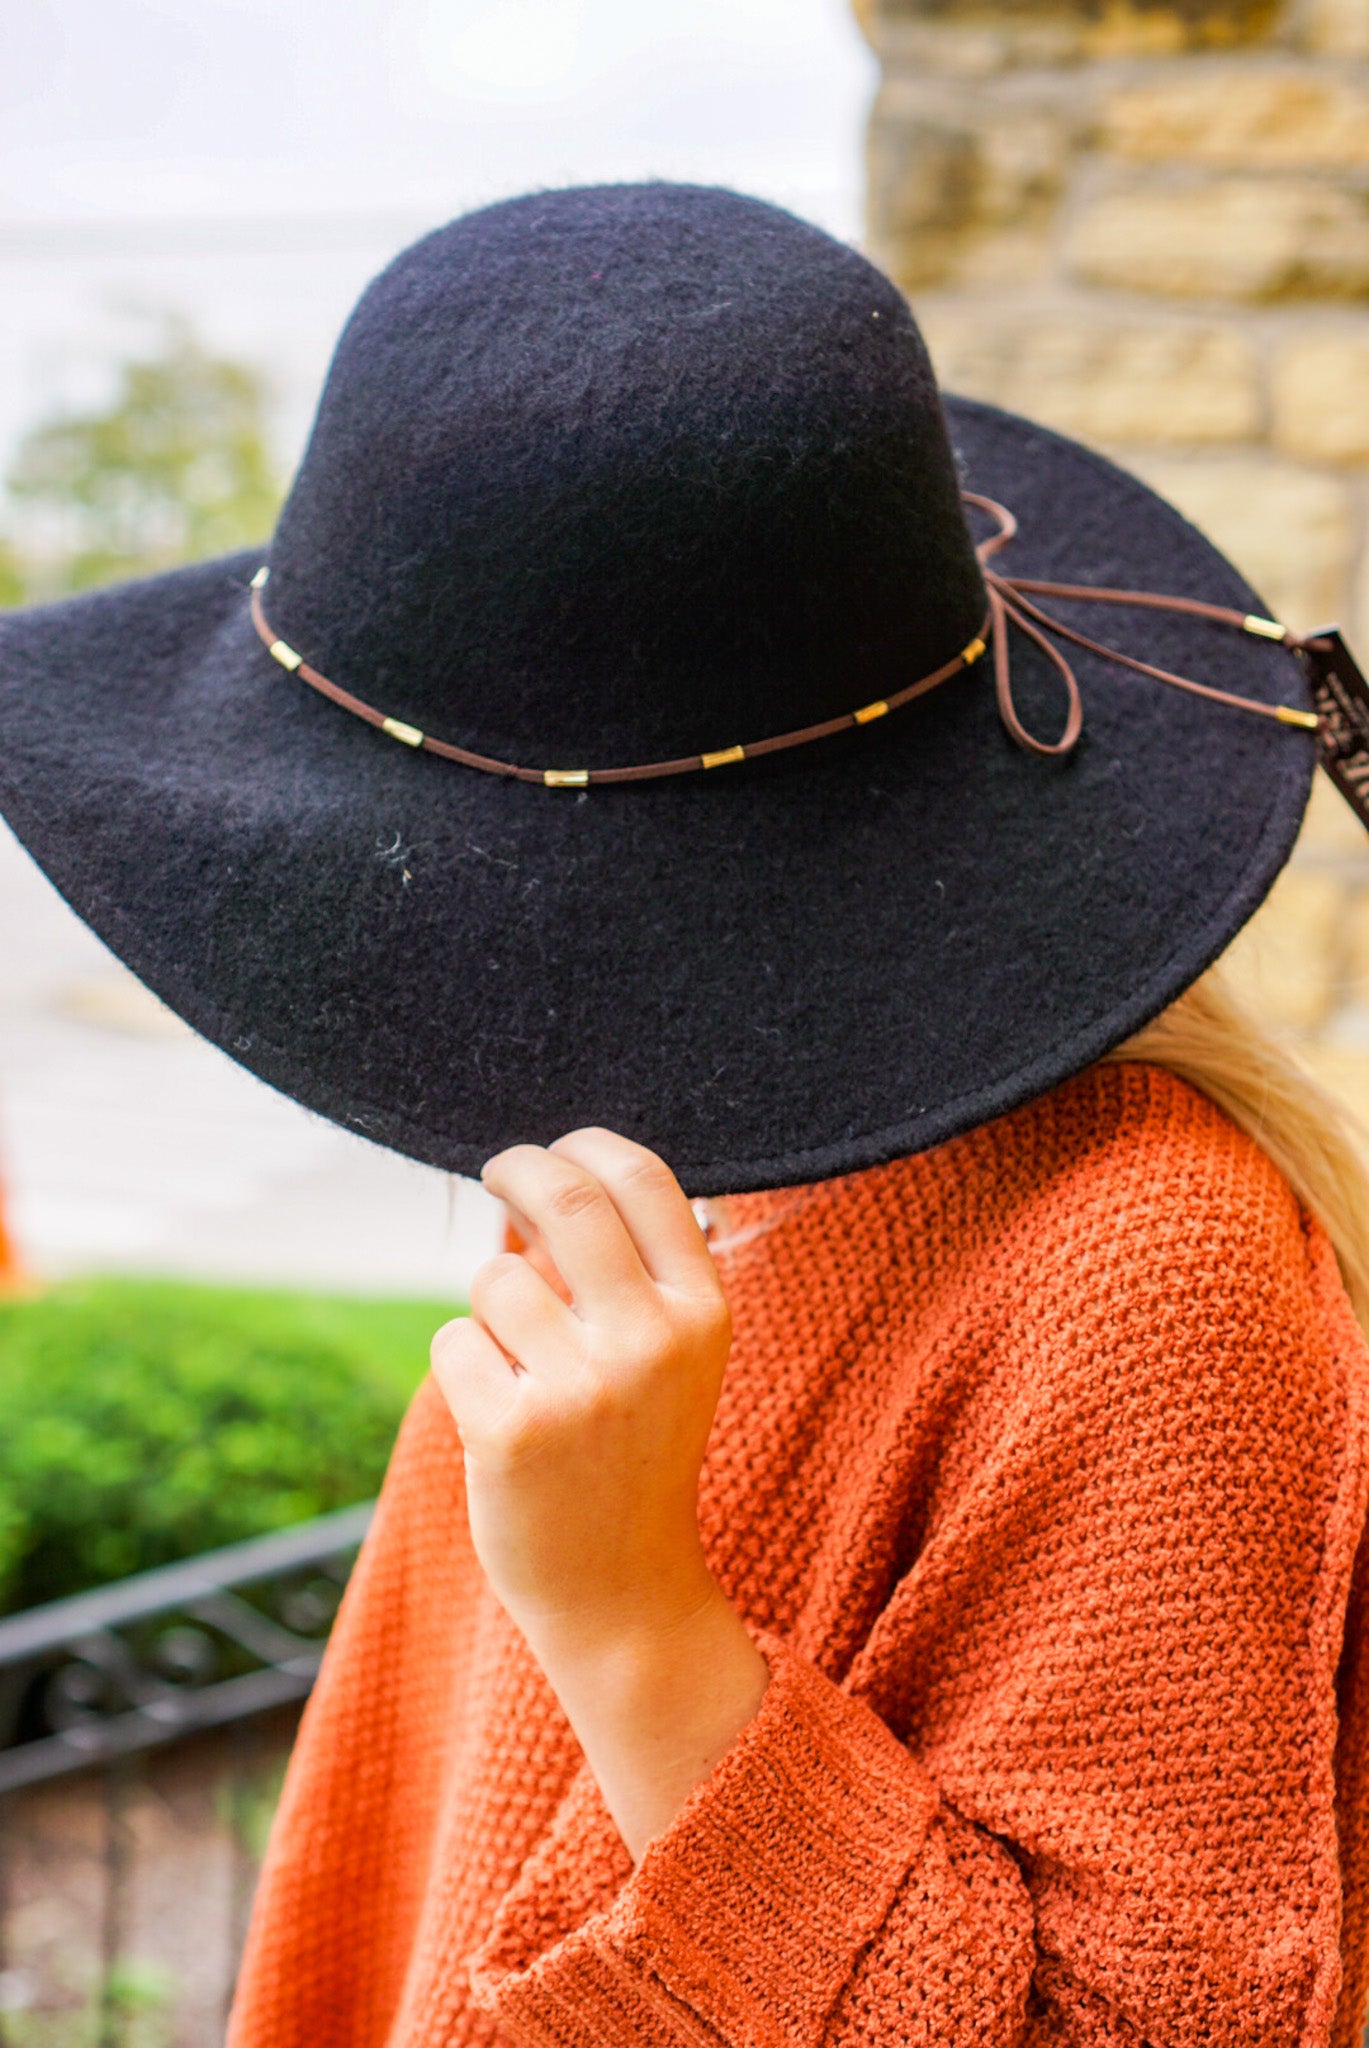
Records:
x=655, y=1712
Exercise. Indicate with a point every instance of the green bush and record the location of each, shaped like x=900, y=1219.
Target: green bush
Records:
x=145, y=1421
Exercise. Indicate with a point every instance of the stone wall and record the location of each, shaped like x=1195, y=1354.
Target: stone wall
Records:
x=1146, y=222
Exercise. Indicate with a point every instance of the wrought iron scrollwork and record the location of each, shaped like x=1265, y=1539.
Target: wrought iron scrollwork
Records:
x=191, y=1646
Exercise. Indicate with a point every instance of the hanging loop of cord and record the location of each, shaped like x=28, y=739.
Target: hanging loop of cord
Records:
x=1012, y=601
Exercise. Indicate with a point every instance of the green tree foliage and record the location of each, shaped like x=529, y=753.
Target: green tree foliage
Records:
x=144, y=1421
x=175, y=469
x=11, y=576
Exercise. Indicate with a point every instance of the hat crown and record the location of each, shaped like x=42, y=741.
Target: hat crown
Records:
x=610, y=474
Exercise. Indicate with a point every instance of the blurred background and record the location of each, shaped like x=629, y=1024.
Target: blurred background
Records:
x=1145, y=222
x=193, y=193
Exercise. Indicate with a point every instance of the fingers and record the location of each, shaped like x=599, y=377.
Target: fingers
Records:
x=511, y=1300
x=521, y=1236
x=479, y=1384
x=584, y=1235
x=653, y=1206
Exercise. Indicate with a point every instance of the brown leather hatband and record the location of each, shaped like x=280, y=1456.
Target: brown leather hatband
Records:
x=1011, y=601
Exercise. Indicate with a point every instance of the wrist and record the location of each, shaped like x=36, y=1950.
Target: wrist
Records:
x=656, y=1706
x=636, y=1689
x=633, y=1632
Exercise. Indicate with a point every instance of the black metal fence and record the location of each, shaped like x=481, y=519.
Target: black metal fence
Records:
x=143, y=1731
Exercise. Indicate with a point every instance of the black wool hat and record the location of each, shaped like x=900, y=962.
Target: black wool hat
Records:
x=647, y=477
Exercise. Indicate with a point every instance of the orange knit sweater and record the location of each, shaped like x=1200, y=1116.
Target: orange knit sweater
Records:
x=1038, y=1478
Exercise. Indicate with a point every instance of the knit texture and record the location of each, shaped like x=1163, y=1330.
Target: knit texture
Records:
x=1038, y=1477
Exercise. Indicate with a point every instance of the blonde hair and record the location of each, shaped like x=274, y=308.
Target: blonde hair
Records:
x=1210, y=1040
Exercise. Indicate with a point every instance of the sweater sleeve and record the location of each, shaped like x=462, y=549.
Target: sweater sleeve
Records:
x=817, y=1855
x=1077, y=1790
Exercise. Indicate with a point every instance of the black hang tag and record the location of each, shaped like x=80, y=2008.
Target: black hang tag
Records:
x=1341, y=695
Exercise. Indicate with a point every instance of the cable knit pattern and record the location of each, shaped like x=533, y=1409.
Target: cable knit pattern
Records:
x=1038, y=1477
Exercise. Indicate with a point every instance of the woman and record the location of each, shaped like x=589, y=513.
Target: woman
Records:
x=926, y=1604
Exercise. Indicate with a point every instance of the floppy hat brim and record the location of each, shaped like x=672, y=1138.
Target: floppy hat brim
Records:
x=771, y=974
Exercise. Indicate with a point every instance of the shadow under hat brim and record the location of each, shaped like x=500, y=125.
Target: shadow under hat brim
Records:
x=769, y=974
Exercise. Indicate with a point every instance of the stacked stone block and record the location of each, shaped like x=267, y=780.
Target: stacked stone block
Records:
x=1146, y=222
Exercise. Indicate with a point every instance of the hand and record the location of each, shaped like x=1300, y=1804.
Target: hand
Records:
x=584, y=1420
